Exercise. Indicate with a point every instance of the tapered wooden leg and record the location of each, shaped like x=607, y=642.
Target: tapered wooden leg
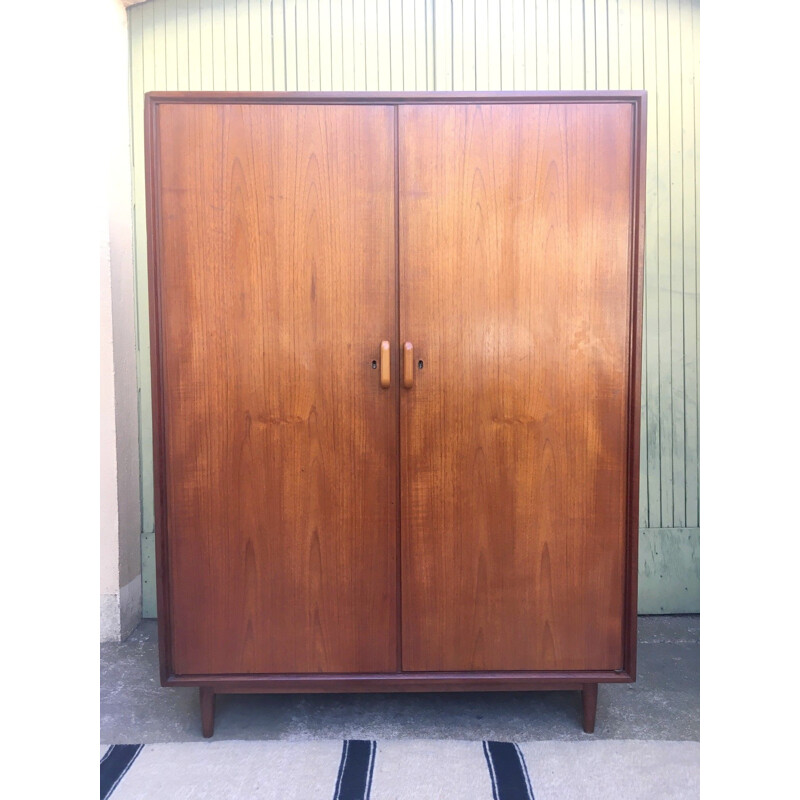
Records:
x=207, y=710
x=589, y=696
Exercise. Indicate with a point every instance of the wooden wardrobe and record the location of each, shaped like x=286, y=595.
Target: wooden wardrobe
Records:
x=396, y=381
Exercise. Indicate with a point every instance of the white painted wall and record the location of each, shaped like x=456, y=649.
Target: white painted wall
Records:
x=120, y=502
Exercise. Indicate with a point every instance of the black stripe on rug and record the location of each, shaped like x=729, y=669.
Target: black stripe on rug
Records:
x=510, y=780
x=114, y=764
x=355, y=770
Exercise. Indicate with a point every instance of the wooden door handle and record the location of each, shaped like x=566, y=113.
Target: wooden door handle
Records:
x=386, y=361
x=408, y=365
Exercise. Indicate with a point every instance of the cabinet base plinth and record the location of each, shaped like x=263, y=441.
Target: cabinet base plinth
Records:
x=391, y=683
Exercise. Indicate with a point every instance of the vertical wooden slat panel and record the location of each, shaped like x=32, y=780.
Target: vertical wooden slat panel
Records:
x=689, y=72
x=146, y=83
x=612, y=21
x=136, y=25
x=255, y=45
x=542, y=55
x=371, y=35
x=170, y=32
x=457, y=45
x=302, y=46
x=159, y=36
x=637, y=80
x=482, y=44
x=601, y=42
x=306, y=47
x=231, y=47
x=337, y=46
x=442, y=42
x=517, y=23
x=624, y=43
x=206, y=21
x=664, y=264
x=529, y=17
x=242, y=38
x=589, y=35
x=267, y=47
x=409, y=63
x=467, y=45
x=314, y=46
x=651, y=273
x=493, y=55
x=195, y=52
x=290, y=45
x=553, y=45
x=565, y=44
x=347, y=45
x=678, y=478
x=506, y=45
x=636, y=44
x=359, y=46
x=396, y=75
x=325, y=50
x=278, y=46
x=430, y=62
x=182, y=43
x=578, y=66
x=696, y=72
x=218, y=44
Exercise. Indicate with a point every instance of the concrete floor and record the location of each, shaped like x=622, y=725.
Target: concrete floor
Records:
x=664, y=703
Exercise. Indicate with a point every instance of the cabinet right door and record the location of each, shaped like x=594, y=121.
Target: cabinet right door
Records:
x=515, y=292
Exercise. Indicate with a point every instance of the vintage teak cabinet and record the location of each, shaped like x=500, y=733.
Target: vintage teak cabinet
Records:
x=396, y=374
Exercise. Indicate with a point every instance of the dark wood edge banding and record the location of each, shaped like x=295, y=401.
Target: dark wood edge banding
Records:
x=635, y=382
x=401, y=682
x=153, y=174
x=392, y=98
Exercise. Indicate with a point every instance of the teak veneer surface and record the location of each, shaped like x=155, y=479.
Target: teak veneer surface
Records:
x=515, y=225
x=277, y=284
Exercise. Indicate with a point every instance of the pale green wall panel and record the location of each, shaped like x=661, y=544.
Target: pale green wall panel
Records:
x=149, y=575
x=676, y=267
x=669, y=570
x=664, y=296
x=651, y=498
x=601, y=43
x=418, y=45
x=689, y=33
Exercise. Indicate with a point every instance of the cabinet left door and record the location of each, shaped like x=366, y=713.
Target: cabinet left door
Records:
x=273, y=270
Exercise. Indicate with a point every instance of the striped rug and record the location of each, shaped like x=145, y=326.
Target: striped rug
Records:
x=359, y=769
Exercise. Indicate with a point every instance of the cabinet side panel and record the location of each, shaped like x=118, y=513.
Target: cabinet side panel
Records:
x=515, y=230
x=277, y=283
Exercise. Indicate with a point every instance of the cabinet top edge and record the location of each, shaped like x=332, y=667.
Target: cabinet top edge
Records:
x=397, y=98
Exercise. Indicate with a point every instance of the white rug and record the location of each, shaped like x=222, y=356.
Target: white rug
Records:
x=402, y=770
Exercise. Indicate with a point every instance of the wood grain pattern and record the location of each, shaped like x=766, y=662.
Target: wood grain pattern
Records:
x=276, y=277
x=514, y=449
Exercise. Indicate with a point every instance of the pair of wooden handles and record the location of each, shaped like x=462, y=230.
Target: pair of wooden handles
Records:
x=408, y=365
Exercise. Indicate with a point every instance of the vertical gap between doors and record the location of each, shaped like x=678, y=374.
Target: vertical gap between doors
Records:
x=399, y=592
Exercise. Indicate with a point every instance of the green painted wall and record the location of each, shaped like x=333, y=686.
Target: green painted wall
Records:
x=383, y=45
